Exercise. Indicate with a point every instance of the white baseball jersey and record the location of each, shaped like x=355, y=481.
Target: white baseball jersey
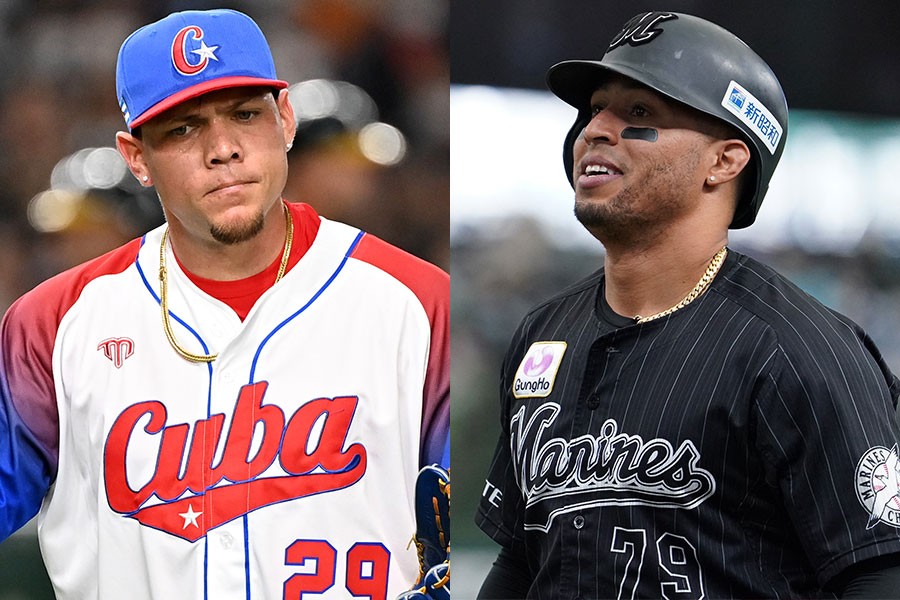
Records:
x=285, y=466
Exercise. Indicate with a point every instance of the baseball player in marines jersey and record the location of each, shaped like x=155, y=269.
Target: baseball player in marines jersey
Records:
x=235, y=405
x=685, y=422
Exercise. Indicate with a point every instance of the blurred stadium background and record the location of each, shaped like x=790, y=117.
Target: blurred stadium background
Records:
x=831, y=221
x=370, y=80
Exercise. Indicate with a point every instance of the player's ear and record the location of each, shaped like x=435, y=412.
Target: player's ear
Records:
x=288, y=124
x=729, y=159
x=132, y=150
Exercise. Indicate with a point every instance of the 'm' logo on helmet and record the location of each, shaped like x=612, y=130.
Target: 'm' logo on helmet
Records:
x=640, y=29
x=180, y=51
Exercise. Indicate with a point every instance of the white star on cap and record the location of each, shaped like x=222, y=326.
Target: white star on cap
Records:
x=206, y=51
x=190, y=517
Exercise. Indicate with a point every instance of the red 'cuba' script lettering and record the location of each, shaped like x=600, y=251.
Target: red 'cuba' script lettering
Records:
x=245, y=490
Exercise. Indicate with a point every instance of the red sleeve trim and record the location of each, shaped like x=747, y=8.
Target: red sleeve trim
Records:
x=431, y=286
x=29, y=332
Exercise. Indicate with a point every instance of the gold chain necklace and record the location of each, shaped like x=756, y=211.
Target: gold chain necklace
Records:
x=701, y=286
x=163, y=287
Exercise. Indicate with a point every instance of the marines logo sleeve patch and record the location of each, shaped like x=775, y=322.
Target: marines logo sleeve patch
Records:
x=878, y=485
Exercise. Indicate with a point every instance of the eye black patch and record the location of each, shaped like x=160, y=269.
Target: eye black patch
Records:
x=648, y=134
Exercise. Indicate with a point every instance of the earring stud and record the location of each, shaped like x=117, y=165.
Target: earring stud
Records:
x=712, y=177
x=145, y=179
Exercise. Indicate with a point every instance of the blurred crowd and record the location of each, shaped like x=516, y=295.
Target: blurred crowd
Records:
x=372, y=147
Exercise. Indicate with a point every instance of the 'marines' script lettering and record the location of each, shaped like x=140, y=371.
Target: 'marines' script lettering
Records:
x=325, y=467
x=612, y=468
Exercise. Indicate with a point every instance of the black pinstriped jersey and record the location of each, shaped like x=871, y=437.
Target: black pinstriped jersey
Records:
x=744, y=446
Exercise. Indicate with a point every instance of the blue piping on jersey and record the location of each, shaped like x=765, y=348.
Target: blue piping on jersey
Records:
x=174, y=316
x=253, y=372
x=185, y=325
x=246, y=557
x=315, y=297
x=307, y=305
x=209, y=369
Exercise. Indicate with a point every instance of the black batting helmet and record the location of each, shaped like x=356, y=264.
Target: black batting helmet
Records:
x=698, y=64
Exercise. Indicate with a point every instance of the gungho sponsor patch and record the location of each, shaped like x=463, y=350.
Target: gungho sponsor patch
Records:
x=878, y=485
x=537, y=371
x=746, y=107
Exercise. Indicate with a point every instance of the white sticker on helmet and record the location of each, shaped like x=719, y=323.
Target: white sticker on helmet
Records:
x=746, y=107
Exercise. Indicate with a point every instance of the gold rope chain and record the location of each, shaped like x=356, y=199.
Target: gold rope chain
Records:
x=695, y=293
x=163, y=287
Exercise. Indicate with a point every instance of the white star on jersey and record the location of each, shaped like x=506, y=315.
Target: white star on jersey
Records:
x=206, y=51
x=190, y=517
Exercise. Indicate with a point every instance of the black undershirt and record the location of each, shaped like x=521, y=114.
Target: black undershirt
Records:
x=617, y=321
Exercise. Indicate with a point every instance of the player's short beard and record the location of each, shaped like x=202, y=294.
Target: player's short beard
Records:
x=638, y=214
x=235, y=233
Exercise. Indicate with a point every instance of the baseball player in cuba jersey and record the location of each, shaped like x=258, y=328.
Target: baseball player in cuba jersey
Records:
x=237, y=404
x=685, y=422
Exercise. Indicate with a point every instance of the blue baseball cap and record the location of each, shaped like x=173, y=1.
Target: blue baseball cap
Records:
x=188, y=54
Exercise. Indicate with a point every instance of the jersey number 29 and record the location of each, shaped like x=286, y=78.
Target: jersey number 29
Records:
x=367, y=569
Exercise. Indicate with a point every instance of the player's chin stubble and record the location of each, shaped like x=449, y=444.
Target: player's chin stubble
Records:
x=639, y=213
x=235, y=233
x=617, y=219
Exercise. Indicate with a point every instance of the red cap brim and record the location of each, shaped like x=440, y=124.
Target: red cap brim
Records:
x=199, y=90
